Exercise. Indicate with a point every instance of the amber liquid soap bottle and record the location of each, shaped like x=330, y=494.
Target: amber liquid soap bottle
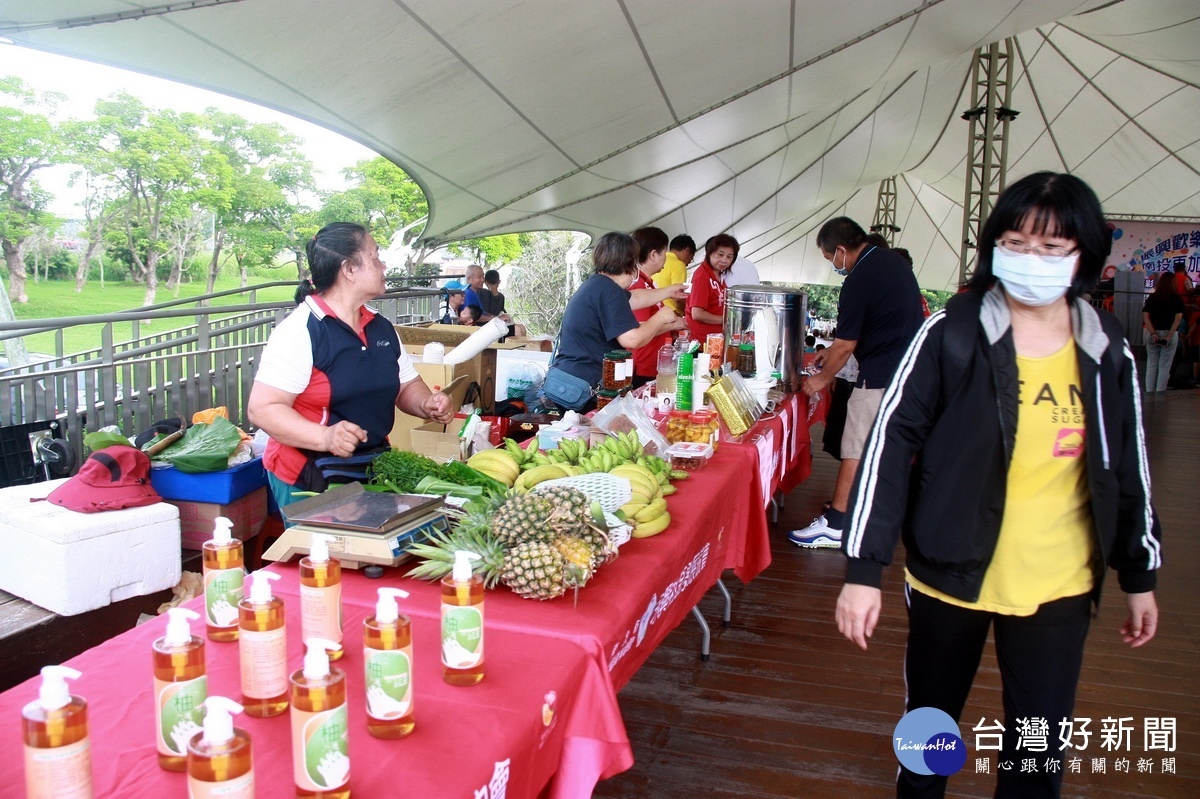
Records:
x=218, y=758
x=180, y=688
x=321, y=594
x=262, y=649
x=462, y=623
x=320, y=728
x=58, y=756
x=388, y=660
x=224, y=575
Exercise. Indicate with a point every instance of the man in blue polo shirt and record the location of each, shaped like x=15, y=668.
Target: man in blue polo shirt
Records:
x=879, y=312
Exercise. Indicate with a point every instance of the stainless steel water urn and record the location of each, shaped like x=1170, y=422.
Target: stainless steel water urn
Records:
x=776, y=317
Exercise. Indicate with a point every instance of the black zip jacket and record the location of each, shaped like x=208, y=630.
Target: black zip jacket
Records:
x=935, y=467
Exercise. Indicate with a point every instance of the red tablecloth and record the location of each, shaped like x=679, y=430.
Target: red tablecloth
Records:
x=782, y=443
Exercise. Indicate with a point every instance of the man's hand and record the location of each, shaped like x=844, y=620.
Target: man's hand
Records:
x=815, y=384
x=438, y=408
x=858, y=612
x=342, y=438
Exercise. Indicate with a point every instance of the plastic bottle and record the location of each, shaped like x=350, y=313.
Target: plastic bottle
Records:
x=180, y=688
x=668, y=368
x=388, y=660
x=218, y=757
x=58, y=756
x=320, y=733
x=701, y=380
x=224, y=575
x=683, y=382
x=321, y=594
x=462, y=623
x=262, y=648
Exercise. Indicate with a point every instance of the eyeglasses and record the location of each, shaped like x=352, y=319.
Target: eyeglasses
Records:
x=1042, y=250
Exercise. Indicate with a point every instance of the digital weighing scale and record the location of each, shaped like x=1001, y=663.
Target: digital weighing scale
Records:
x=367, y=527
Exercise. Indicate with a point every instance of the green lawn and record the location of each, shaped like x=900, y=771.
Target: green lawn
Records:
x=57, y=298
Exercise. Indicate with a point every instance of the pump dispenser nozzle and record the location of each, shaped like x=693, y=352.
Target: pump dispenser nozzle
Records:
x=218, y=719
x=462, y=565
x=179, y=631
x=318, y=552
x=316, y=659
x=54, y=692
x=260, y=589
x=386, y=608
x=222, y=531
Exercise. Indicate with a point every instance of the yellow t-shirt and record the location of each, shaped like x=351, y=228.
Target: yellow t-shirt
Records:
x=674, y=271
x=1045, y=545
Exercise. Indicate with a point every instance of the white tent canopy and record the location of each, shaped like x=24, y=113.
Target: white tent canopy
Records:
x=762, y=118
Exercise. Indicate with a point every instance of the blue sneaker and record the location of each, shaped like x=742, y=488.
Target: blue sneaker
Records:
x=818, y=535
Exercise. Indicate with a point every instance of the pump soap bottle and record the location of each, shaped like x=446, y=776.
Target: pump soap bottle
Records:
x=224, y=574
x=462, y=623
x=321, y=594
x=320, y=733
x=58, y=757
x=218, y=758
x=262, y=649
x=180, y=688
x=388, y=659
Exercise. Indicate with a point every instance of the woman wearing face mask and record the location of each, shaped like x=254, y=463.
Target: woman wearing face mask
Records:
x=1008, y=452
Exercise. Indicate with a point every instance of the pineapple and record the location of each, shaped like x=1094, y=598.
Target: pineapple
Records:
x=534, y=570
x=579, y=560
x=471, y=533
x=523, y=517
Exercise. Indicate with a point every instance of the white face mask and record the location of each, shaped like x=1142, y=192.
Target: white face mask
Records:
x=1033, y=279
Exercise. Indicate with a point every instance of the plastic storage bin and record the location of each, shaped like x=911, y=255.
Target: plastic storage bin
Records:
x=220, y=488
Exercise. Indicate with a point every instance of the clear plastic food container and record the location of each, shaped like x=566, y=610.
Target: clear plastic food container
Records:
x=689, y=455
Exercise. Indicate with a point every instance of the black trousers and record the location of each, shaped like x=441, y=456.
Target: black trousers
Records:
x=1039, y=656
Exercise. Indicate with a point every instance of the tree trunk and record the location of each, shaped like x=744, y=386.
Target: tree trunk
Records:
x=151, y=278
x=241, y=259
x=82, y=272
x=16, y=270
x=176, y=273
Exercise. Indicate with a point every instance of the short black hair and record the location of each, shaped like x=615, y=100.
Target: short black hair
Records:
x=491, y=277
x=683, y=242
x=1058, y=205
x=905, y=254
x=615, y=254
x=649, y=239
x=841, y=231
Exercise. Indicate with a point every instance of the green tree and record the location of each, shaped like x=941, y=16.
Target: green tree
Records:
x=383, y=198
x=491, y=251
x=29, y=142
x=162, y=167
x=541, y=282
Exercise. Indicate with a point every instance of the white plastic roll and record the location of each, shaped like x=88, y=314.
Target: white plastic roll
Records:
x=434, y=352
x=766, y=342
x=478, y=341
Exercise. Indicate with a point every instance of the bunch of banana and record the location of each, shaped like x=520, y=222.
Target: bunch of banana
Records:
x=647, y=509
x=570, y=450
x=614, y=451
x=497, y=464
x=540, y=474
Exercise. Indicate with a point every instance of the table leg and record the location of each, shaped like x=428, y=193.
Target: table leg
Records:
x=706, y=636
x=728, y=604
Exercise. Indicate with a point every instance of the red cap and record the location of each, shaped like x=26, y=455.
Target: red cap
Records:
x=112, y=478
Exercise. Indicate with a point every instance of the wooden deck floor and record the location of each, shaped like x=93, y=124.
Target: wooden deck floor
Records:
x=787, y=708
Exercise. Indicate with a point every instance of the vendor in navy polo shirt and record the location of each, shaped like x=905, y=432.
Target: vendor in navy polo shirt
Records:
x=333, y=372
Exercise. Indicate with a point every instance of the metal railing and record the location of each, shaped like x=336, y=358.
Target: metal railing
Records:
x=133, y=383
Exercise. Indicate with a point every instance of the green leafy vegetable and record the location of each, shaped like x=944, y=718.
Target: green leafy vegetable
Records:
x=102, y=438
x=432, y=485
x=461, y=473
x=204, y=447
x=400, y=471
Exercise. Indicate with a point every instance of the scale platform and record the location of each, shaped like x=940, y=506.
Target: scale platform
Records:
x=368, y=528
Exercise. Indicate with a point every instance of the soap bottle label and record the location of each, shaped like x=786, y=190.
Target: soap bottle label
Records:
x=264, y=663
x=63, y=772
x=238, y=788
x=177, y=713
x=462, y=636
x=222, y=593
x=389, y=683
x=321, y=612
x=320, y=754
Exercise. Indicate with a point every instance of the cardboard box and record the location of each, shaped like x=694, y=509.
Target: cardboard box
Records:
x=196, y=518
x=450, y=335
x=435, y=441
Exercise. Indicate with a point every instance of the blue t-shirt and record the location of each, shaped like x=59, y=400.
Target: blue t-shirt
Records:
x=470, y=297
x=597, y=313
x=880, y=308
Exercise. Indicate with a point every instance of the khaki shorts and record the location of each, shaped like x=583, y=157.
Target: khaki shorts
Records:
x=861, y=411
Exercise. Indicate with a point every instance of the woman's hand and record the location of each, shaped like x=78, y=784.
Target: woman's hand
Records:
x=858, y=612
x=668, y=319
x=437, y=407
x=1142, y=623
x=342, y=438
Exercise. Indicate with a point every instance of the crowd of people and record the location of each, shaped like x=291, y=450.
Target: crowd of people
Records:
x=1000, y=438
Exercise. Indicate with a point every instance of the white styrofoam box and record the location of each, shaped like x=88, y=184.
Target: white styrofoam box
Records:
x=69, y=562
